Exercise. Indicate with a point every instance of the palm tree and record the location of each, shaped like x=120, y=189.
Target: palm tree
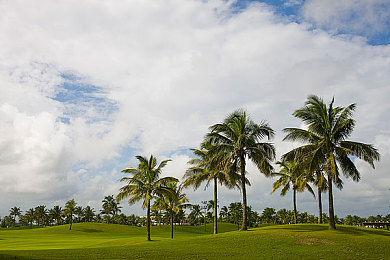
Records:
x=238, y=138
x=291, y=175
x=196, y=212
x=110, y=207
x=206, y=169
x=40, y=214
x=89, y=213
x=69, y=211
x=224, y=214
x=172, y=202
x=144, y=184
x=14, y=212
x=30, y=216
x=235, y=211
x=326, y=145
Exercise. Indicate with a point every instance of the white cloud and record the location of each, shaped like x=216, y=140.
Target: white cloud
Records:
x=173, y=68
x=349, y=16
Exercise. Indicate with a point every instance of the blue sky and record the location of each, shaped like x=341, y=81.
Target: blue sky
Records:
x=85, y=88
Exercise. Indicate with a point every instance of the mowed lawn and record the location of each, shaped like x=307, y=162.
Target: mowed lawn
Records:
x=104, y=241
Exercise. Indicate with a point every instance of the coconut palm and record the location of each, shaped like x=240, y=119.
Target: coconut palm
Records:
x=206, y=168
x=172, y=201
x=14, y=212
x=291, y=176
x=70, y=210
x=40, y=214
x=89, y=213
x=195, y=213
x=238, y=138
x=55, y=214
x=144, y=184
x=29, y=215
x=326, y=146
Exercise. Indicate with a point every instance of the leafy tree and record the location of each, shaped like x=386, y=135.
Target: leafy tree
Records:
x=235, y=212
x=268, y=215
x=69, y=211
x=40, y=214
x=238, y=138
x=195, y=213
x=328, y=127
x=291, y=175
x=171, y=201
x=144, y=184
x=89, y=214
x=29, y=216
x=14, y=212
x=207, y=168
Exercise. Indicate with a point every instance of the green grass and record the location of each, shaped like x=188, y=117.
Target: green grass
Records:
x=102, y=241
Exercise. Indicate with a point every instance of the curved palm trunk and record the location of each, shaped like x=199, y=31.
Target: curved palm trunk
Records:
x=295, y=204
x=332, y=224
x=319, y=206
x=148, y=221
x=171, y=223
x=215, y=206
x=244, y=217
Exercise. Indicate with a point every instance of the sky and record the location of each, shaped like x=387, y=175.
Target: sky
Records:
x=88, y=85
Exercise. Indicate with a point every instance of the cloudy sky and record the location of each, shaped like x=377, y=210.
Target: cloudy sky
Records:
x=87, y=85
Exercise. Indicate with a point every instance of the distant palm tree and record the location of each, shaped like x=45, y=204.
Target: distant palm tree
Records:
x=196, y=212
x=291, y=176
x=70, y=210
x=238, y=138
x=110, y=207
x=144, y=184
x=40, y=214
x=224, y=214
x=89, y=214
x=206, y=168
x=30, y=216
x=172, y=201
x=14, y=212
x=326, y=146
x=56, y=213
x=235, y=211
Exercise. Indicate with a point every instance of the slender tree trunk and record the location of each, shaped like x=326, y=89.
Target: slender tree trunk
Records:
x=215, y=206
x=71, y=222
x=148, y=221
x=242, y=162
x=319, y=206
x=332, y=224
x=171, y=223
x=295, y=204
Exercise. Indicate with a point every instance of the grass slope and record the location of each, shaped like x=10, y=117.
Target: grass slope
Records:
x=102, y=241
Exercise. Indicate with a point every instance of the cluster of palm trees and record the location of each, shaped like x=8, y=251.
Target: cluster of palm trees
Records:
x=228, y=147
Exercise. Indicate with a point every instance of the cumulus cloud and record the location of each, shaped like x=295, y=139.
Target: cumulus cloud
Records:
x=163, y=71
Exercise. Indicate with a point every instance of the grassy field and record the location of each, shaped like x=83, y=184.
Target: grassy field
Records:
x=102, y=241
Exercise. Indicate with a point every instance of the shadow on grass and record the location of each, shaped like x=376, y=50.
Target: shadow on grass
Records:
x=358, y=231
x=90, y=230
x=12, y=256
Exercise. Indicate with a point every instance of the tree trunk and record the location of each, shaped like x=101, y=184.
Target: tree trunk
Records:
x=148, y=221
x=171, y=224
x=332, y=224
x=71, y=222
x=295, y=204
x=319, y=206
x=215, y=206
x=242, y=166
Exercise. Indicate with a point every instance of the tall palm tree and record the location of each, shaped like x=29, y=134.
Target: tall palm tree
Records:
x=206, y=168
x=326, y=146
x=172, y=202
x=69, y=211
x=291, y=176
x=238, y=138
x=144, y=184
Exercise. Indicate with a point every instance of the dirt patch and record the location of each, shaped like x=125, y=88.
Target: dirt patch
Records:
x=314, y=241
